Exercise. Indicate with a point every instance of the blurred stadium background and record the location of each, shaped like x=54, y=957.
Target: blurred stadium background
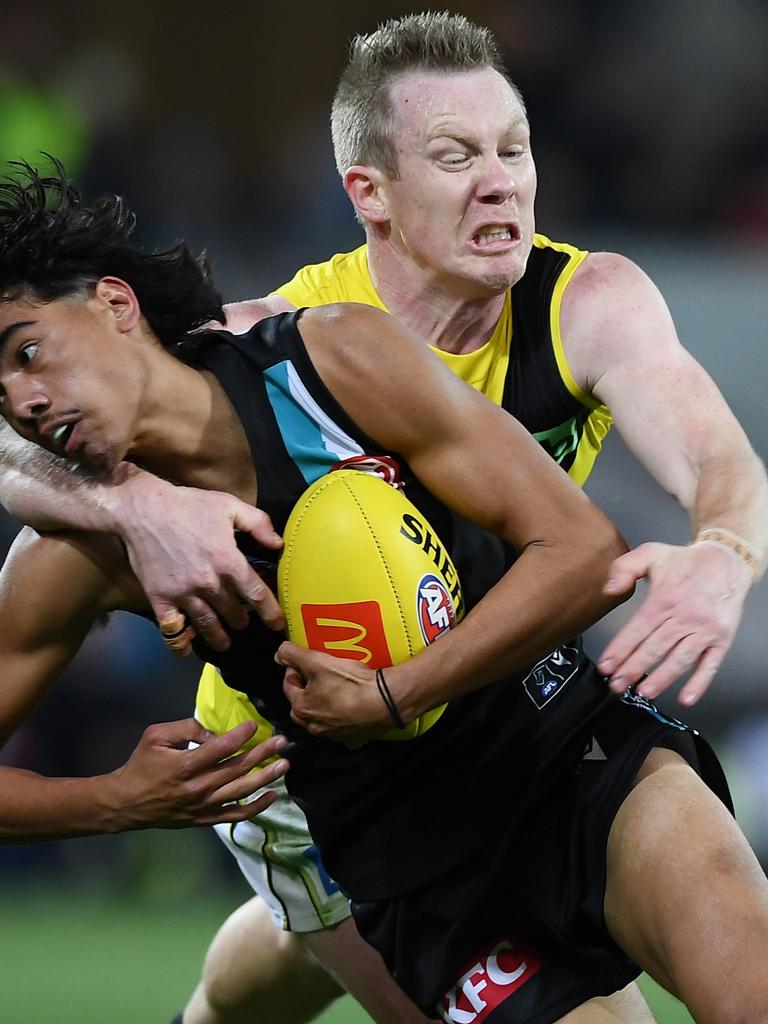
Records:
x=649, y=130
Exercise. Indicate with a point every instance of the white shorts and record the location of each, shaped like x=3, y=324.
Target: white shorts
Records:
x=281, y=863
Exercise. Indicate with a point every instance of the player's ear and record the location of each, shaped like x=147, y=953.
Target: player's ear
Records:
x=366, y=188
x=119, y=299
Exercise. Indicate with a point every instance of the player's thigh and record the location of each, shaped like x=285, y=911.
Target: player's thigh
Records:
x=625, y=1007
x=685, y=895
x=360, y=971
x=254, y=970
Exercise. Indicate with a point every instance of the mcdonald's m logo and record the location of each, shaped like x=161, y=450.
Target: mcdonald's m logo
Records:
x=353, y=631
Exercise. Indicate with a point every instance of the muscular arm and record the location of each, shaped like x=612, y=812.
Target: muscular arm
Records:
x=480, y=461
x=622, y=348
x=163, y=784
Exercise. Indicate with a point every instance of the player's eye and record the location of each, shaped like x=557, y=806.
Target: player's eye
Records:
x=454, y=158
x=28, y=352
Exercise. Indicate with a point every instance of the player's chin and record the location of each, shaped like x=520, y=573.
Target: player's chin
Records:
x=494, y=282
x=96, y=460
x=495, y=274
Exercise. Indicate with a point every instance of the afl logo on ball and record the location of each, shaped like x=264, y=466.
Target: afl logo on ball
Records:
x=434, y=608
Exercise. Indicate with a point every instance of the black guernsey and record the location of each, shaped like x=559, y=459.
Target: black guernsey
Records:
x=389, y=816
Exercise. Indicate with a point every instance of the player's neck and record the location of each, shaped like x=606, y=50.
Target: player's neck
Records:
x=435, y=310
x=190, y=433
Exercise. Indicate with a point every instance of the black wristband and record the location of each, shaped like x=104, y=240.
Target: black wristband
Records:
x=388, y=699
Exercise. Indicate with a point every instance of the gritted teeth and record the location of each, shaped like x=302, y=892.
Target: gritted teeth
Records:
x=494, y=234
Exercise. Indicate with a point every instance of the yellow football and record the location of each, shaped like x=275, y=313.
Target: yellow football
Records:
x=363, y=575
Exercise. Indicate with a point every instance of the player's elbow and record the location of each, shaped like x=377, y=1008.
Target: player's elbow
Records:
x=597, y=553
x=602, y=545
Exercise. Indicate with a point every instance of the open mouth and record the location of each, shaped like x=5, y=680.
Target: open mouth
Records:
x=60, y=437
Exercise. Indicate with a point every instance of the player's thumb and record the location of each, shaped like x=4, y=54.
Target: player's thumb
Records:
x=290, y=655
x=292, y=684
x=252, y=520
x=626, y=570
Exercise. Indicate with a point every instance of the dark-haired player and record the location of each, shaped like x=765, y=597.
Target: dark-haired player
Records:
x=514, y=886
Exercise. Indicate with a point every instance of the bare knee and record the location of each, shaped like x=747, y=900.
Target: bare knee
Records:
x=254, y=970
x=628, y=1006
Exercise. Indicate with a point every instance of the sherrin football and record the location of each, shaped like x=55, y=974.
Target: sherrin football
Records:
x=364, y=576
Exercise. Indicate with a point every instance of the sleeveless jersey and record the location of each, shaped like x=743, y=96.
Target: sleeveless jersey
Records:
x=522, y=367
x=491, y=753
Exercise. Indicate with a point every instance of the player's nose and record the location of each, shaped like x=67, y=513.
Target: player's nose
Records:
x=25, y=402
x=496, y=182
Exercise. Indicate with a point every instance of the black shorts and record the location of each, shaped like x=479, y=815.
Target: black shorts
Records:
x=516, y=934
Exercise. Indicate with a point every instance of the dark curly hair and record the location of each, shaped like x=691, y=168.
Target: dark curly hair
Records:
x=52, y=244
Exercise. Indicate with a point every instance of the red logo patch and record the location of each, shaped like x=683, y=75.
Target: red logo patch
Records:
x=434, y=608
x=383, y=466
x=500, y=969
x=353, y=631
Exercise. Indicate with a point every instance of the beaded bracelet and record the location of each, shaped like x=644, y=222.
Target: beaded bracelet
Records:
x=732, y=542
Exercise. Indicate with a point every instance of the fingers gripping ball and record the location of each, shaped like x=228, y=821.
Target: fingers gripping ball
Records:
x=364, y=576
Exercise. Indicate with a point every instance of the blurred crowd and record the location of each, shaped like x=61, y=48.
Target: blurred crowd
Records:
x=648, y=124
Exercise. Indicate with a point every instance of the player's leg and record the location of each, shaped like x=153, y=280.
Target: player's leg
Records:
x=625, y=1007
x=269, y=952
x=361, y=972
x=255, y=971
x=257, y=961
x=685, y=895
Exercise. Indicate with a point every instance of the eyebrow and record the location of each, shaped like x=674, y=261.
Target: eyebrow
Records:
x=448, y=131
x=5, y=334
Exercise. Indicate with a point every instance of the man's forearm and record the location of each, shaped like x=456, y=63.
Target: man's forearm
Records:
x=34, y=808
x=48, y=493
x=732, y=496
x=696, y=592
x=180, y=541
x=164, y=784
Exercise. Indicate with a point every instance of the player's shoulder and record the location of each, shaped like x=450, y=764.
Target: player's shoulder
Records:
x=602, y=274
x=607, y=286
x=613, y=315
x=339, y=324
x=342, y=277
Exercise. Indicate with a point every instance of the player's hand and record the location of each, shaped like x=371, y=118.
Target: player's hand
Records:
x=687, y=620
x=333, y=697
x=181, y=545
x=166, y=785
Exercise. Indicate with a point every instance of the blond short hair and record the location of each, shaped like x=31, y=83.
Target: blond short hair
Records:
x=362, y=115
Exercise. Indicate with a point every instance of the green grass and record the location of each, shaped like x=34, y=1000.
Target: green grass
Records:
x=88, y=957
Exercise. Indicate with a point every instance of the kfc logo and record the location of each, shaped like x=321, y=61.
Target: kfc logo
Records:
x=434, y=608
x=495, y=975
